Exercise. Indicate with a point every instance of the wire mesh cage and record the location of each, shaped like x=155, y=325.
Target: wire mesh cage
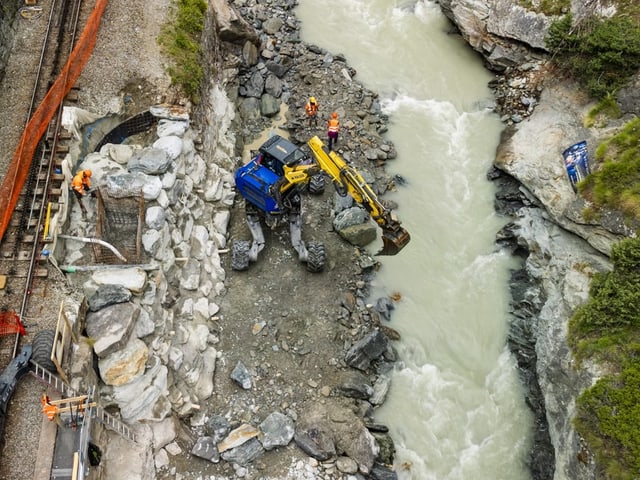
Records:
x=119, y=223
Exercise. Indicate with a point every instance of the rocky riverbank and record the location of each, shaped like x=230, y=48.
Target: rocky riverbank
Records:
x=561, y=249
x=269, y=373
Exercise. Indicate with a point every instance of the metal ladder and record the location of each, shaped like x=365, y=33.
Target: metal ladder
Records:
x=100, y=414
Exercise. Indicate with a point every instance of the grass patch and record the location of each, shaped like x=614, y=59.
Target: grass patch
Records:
x=615, y=181
x=606, y=109
x=608, y=417
x=180, y=41
x=548, y=7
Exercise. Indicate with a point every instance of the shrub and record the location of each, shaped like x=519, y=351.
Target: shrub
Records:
x=180, y=40
x=601, y=54
x=610, y=320
x=607, y=417
x=606, y=327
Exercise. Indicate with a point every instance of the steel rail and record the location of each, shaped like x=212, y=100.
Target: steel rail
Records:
x=39, y=201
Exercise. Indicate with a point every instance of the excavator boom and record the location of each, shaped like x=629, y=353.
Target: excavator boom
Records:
x=347, y=179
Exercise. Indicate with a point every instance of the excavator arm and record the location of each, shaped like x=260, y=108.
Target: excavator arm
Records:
x=348, y=180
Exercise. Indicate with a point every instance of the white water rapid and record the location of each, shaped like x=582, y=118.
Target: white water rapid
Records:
x=456, y=409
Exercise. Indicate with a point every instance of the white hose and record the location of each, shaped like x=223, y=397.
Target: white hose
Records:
x=95, y=240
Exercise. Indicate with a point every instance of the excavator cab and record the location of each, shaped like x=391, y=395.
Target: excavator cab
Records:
x=278, y=152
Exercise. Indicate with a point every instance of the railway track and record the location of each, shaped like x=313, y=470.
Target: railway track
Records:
x=23, y=248
x=29, y=285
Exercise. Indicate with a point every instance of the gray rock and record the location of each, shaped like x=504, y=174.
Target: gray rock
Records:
x=315, y=442
x=133, y=184
x=154, y=217
x=150, y=161
x=384, y=306
x=349, y=217
x=367, y=349
x=205, y=447
x=245, y=453
x=273, y=86
x=217, y=427
x=272, y=25
x=279, y=69
x=249, y=108
x=323, y=430
x=254, y=87
x=277, y=431
x=109, y=294
x=269, y=105
x=144, y=325
x=346, y=465
x=360, y=235
x=124, y=365
x=249, y=54
x=171, y=145
x=356, y=385
x=133, y=279
x=171, y=127
x=380, y=390
x=230, y=25
x=145, y=399
x=382, y=472
x=342, y=202
x=387, y=452
x=191, y=274
x=111, y=327
x=241, y=376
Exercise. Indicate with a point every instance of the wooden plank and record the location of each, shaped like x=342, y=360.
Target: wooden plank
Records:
x=3, y=281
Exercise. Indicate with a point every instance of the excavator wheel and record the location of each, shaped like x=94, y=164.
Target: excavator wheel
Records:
x=42, y=346
x=240, y=255
x=316, y=257
x=317, y=183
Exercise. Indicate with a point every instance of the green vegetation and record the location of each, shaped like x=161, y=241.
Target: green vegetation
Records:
x=607, y=328
x=615, y=183
x=548, y=7
x=180, y=40
x=601, y=53
x=608, y=413
x=607, y=108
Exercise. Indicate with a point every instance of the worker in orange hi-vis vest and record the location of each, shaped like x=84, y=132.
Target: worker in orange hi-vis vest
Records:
x=311, y=109
x=333, y=129
x=81, y=184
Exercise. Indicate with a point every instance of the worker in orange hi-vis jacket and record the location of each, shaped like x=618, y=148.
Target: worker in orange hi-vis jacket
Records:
x=80, y=185
x=333, y=129
x=311, y=109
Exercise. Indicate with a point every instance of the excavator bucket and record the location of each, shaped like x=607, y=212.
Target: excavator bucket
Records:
x=394, y=240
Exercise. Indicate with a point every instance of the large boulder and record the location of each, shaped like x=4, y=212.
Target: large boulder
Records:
x=111, y=327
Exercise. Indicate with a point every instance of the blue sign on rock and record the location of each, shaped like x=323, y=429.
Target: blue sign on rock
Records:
x=576, y=161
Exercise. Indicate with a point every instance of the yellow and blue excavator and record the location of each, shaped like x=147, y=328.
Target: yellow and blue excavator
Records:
x=272, y=184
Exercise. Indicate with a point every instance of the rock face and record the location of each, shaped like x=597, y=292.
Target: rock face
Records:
x=563, y=250
x=503, y=31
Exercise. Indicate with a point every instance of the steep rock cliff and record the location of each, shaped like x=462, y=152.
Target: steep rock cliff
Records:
x=563, y=250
